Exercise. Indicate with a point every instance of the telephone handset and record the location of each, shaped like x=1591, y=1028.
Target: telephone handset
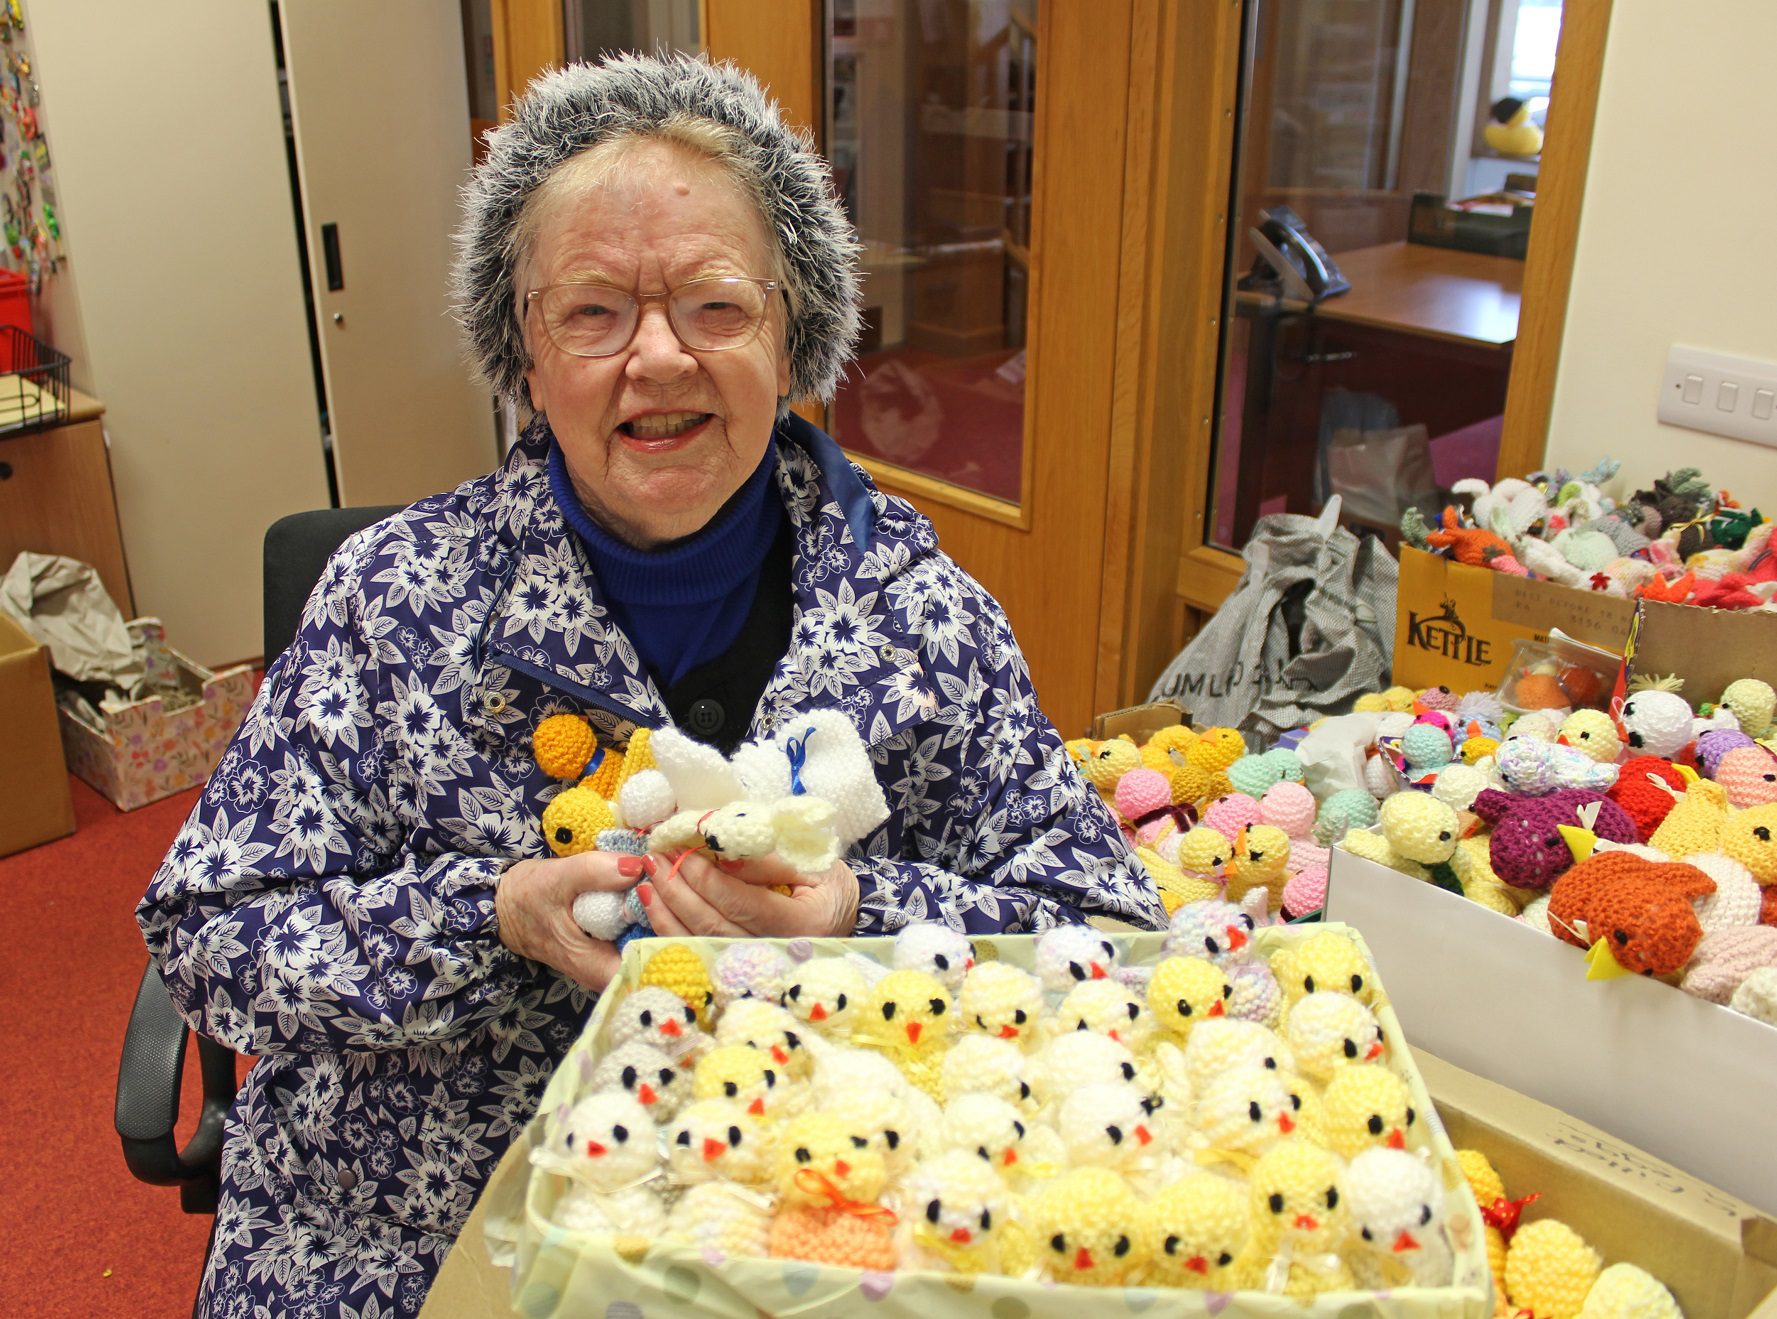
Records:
x=1290, y=260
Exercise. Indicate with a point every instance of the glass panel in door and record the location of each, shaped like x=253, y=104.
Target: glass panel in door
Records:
x=929, y=130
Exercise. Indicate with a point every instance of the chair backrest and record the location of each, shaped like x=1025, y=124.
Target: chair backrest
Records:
x=297, y=548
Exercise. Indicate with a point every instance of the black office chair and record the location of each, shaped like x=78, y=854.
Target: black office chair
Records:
x=150, y=1072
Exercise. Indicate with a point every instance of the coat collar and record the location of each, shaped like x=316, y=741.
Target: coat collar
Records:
x=852, y=645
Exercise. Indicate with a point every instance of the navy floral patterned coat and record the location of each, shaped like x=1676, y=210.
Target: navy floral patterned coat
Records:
x=329, y=905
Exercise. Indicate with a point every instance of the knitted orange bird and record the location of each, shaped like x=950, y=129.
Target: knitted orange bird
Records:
x=1674, y=592
x=1475, y=546
x=1640, y=909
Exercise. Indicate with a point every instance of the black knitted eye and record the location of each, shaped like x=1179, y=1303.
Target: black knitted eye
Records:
x=1621, y=936
x=1276, y=1203
x=1253, y=1111
x=1332, y=1197
x=1115, y=1133
x=1295, y=1101
x=647, y=1017
x=888, y=1011
x=1424, y=1215
x=1184, y=1008
x=1081, y=1024
x=802, y=1154
x=1375, y=1125
x=981, y=1150
x=1762, y=834
x=1247, y=921
x=1121, y=1248
x=980, y=1022
x=1308, y=983
x=1227, y=990
x=1357, y=984
x=1058, y=1242
x=1019, y=1016
x=1018, y=1127
x=1129, y=1071
x=987, y=1220
x=629, y=1078
x=1443, y=835
x=730, y=1089
x=564, y=835
x=893, y=1138
x=1224, y=1259
x=938, y=1006
x=940, y=961
x=1351, y=1048
x=690, y=1016
x=1109, y=951
x=1134, y=1011
x=734, y=1137
x=1409, y=1117
x=933, y=1210
x=683, y=1138
x=1364, y=1232
x=1271, y=1064
x=1212, y=945
x=1172, y=1245
x=666, y=1075
x=1024, y=1089
x=860, y=1142
x=796, y=993
x=770, y=1078
x=620, y=1133
x=792, y=1039
x=840, y=1002
x=1077, y=970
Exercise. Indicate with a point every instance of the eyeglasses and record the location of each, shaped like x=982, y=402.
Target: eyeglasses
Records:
x=708, y=315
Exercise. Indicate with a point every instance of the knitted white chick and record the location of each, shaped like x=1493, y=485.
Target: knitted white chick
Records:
x=878, y=1114
x=989, y=1128
x=941, y=952
x=659, y=1017
x=1218, y=930
x=1243, y=1113
x=1108, y=1007
x=1106, y=1126
x=761, y=1025
x=722, y=1218
x=1298, y=1222
x=1089, y=1228
x=751, y=968
x=957, y=1206
x=606, y=1147
x=1194, y=1229
x=1000, y=1000
x=717, y=1139
x=1366, y=1107
x=981, y=1064
x=1327, y=1031
x=1068, y=954
x=823, y=993
x=646, y=1075
x=1321, y=962
x=1225, y=1043
x=1396, y=1204
x=1626, y=1291
x=1185, y=991
x=1075, y=1059
x=750, y=1078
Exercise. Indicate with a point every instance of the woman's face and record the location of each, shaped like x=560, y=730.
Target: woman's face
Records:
x=657, y=437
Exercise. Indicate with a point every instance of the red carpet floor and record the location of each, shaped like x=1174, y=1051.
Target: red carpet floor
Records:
x=82, y=1239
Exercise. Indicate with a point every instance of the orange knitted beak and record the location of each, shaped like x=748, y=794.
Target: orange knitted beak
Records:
x=1236, y=938
x=1307, y=1222
x=757, y=1107
x=1009, y=1157
x=1375, y=1052
x=1082, y=1258
x=913, y=1030
x=1197, y=1264
x=712, y=1149
x=594, y=1149
x=778, y=1055
x=1113, y=1034
x=962, y=1236
x=1098, y=972
x=1285, y=1123
x=672, y=1028
x=1008, y=1032
x=1405, y=1241
x=1216, y=1009
x=646, y=1094
x=1397, y=1139
x=817, y=1013
x=841, y=1168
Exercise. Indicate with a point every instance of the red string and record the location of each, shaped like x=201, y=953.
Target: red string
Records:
x=1503, y=1214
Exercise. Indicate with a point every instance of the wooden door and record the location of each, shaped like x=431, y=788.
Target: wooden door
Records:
x=379, y=101
x=989, y=191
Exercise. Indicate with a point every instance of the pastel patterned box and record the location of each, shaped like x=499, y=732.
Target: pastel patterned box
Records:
x=151, y=749
x=558, y=1272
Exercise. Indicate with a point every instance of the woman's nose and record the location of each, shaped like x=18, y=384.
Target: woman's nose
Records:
x=656, y=353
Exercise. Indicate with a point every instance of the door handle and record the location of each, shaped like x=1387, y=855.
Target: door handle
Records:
x=336, y=279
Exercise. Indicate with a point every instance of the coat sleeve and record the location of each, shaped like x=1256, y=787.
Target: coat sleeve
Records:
x=307, y=905
x=998, y=831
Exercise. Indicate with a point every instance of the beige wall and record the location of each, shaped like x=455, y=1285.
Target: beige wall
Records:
x=1677, y=208
x=182, y=303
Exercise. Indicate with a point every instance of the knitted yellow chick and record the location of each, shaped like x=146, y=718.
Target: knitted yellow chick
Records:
x=748, y=1077
x=907, y=1015
x=823, y=993
x=1488, y=1190
x=1473, y=863
x=1753, y=703
x=1213, y=753
x=1695, y=823
x=1626, y=1291
x=769, y=1028
x=1549, y=1270
x=1261, y=858
x=1324, y=962
x=1593, y=732
x=1241, y=1114
x=1297, y=1213
x=1750, y=837
x=1109, y=762
x=956, y=1204
x=1418, y=831
x=1000, y=1000
x=1176, y=886
x=676, y=967
x=1192, y=1230
x=1330, y=1031
x=1203, y=854
x=1184, y=991
x=829, y=1179
x=1364, y=1108
x=1088, y=1226
x=1109, y=1007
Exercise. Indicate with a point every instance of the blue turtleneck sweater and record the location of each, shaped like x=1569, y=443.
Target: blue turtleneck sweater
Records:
x=685, y=604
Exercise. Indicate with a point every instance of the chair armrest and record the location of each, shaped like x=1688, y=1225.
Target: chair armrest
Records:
x=148, y=1085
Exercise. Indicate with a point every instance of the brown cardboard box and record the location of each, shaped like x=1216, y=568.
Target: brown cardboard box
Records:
x=1716, y=1254
x=34, y=802
x=1139, y=721
x=1456, y=625
x=1708, y=648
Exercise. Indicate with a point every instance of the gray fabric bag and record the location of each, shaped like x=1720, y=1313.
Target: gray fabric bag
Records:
x=1308, y=630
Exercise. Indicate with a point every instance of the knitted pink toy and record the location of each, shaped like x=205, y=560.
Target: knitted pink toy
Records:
x=1725, y=958
x=1144, y=801
x=1230, y=814
x=1291, y=807
x=1439, y=698
x=1749, y=774
x=1716, y=743
x=1305, y=892
x=1527, y=849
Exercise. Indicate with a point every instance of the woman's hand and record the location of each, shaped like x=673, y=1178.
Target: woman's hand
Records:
x=734, y=898
x=534, y=901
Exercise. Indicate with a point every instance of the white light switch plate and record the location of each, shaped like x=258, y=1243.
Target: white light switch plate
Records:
x=1732, y=396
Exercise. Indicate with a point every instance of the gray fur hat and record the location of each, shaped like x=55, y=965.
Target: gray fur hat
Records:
x=568, y=110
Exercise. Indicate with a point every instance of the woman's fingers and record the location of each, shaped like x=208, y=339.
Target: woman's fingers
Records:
x=693, y=905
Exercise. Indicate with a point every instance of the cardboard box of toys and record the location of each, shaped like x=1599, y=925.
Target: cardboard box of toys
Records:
x=1708, y=648
x=1139, y=722
x=1716, y=1254
x=1455, y=625
x=144, y=750
x=1687, y=1080
x=34, y=802
x=562, y=1271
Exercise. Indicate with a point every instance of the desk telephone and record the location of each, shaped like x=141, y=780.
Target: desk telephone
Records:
x=1290, y=262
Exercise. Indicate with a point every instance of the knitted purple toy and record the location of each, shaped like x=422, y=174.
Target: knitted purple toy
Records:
x=1527, y=849
x=1715, y=744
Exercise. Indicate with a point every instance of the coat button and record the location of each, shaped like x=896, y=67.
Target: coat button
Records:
x=889, y=655
x=494, y=703
x=706, y=717
x=347, y=1179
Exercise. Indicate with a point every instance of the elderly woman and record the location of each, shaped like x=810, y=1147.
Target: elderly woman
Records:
x=362, y=898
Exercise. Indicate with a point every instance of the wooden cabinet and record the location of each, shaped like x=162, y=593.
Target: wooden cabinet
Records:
x=56, y=498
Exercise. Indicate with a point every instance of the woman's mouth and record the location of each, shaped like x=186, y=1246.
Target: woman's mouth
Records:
x=661, y=427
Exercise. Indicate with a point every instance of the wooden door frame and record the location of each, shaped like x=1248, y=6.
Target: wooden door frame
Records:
x=1162, y=572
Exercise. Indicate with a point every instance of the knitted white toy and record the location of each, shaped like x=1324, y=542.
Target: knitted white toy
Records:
x=659, y=1017
x=1626, y=1291
x=606, y=1147
x=957, y=1207
x=760, y=1024
x=1106, y=1126
x=1075, y=1059
x=1658, y=723
x=1396, y=1206
x=1108, y=1007
x=750, y=969
x=716, y=1139
x=1068, y=954
x=1211, y=928
x=823, y=992
x=1245, y=1111
x=982, y=1064
x=939, y=951
x=1757, y=995
x=881, y=1116
x=1000, y=1000
x=645, y=1074
x=1327, y=1031
x=989, y=1128
x=722, y=1218
x=1222, y=1045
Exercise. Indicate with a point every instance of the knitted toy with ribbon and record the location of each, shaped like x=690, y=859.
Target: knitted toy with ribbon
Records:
x=583, y=816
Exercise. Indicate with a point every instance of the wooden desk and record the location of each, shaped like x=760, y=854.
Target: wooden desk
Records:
x=1429, y=329
x=56, y=497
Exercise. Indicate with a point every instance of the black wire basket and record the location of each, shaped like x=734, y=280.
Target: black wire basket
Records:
x=33, y=383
